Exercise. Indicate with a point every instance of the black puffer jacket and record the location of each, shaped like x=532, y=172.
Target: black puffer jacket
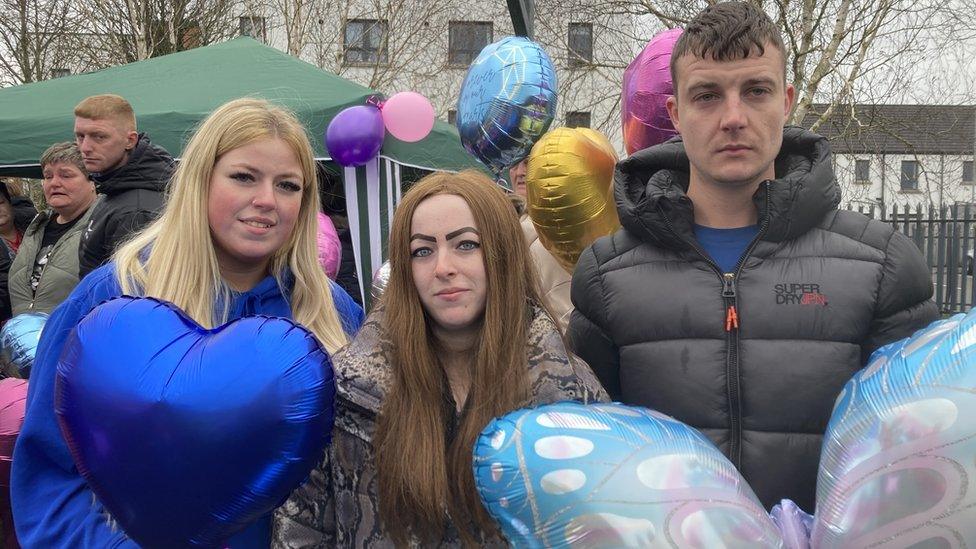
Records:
x=818, y=291
x=133, y=198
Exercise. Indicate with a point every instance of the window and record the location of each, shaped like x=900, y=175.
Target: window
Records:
x=364, y=42
x=253, y=26
x=862, y=171
x=580, y=42
x=967, y=172
x=452, y=117
x=60, y=71
x=577, y=119
x=909, y=175
x=465, y=40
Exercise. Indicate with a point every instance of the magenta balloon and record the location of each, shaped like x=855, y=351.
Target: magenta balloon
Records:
x=355, y=135
x=647, y=86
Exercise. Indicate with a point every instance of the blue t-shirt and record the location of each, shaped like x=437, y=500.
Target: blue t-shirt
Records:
x=725, y=246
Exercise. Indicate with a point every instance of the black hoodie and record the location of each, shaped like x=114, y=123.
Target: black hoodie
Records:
x=817, y=291
x=133, y=198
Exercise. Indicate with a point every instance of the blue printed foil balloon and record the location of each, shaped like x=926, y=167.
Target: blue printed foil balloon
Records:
x=609, y=475
x=898, y=467
x=187, y=435
x=18, y=343
x=507, y=101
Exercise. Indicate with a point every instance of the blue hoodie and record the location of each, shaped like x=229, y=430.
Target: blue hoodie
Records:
x=53, y=506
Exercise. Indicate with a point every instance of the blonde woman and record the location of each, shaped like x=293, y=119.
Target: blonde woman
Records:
x=461, y=336
x=237, y=237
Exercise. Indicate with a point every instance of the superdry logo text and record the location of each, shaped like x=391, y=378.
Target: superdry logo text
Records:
x=795, y=293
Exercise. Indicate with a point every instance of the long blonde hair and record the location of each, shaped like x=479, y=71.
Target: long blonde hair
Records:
x=420, y=474
x=174, y=258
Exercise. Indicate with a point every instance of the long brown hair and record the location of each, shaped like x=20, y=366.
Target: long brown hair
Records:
x=424, y=477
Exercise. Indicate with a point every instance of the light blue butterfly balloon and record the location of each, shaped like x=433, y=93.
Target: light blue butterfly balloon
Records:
x=898, y=467
x=609, y=475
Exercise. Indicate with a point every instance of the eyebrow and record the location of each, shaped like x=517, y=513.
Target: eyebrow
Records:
x=761, y=80
x=703, y=86
x=462, y=230
x=246, y=166
x=448, y=236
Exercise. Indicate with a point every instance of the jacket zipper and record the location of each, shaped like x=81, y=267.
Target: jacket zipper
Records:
x=728, y=281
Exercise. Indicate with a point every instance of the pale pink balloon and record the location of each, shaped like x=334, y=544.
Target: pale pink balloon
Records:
x=408, y=116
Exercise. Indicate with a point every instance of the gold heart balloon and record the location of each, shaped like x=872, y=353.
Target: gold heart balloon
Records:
x=569, y=183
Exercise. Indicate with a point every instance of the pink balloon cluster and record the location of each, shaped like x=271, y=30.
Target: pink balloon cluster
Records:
x=355, y=135
x=647, y=86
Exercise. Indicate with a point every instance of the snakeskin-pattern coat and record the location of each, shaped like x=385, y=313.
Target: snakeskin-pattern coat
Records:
x=337, y=506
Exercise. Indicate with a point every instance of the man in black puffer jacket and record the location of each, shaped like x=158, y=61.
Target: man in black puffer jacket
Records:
x=736, y=297
x=130, y=171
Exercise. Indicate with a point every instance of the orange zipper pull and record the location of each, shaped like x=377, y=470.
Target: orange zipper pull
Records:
x=731, y=319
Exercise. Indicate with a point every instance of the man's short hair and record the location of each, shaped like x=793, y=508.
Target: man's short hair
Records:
x=101, y=107
x=726, y=32
x=63, y=152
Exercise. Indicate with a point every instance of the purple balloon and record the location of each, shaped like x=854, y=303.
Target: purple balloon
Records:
x=647, y=86
x=355, y=135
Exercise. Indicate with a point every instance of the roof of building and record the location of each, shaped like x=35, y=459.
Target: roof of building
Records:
x=898, y=129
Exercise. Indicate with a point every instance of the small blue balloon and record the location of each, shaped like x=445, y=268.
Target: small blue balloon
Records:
x=608, y=475
x=187, y=435
x=507, y=101
x=18, y=343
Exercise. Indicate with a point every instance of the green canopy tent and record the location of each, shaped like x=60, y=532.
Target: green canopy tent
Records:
x=173, y=93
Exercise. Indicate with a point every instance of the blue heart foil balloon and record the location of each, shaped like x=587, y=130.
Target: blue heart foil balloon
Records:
x=507, y=101
x=186, y=435
x=18, y=343
x=609, y=475
x=897, y=467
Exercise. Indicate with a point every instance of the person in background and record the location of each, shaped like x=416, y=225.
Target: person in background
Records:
x=126, y=167
x=45, y=269
x=460, y=336
x=24, y=209
x=736, y=297
x=237, y=232
x=554, y=280
x=12, y=228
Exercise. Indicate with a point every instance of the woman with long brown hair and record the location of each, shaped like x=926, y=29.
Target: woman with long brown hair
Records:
x=461, y=336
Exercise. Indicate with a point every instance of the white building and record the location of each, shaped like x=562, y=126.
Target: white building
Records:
x=903, y=155
x=427, y=47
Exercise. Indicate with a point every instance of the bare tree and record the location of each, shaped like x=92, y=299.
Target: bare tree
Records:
x=838, y=51
x=132, y=30
x=407, y=40
x=28, y=30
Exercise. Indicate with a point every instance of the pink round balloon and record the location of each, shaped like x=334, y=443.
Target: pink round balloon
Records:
x=647, y=86
x=408, y=116
x=13, y=401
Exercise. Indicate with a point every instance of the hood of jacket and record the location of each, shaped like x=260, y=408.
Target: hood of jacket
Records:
x=650, y=190
x=266, y=298
x=148, y=167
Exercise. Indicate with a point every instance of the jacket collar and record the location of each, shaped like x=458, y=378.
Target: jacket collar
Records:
x=148, y=167
x=650, y=187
